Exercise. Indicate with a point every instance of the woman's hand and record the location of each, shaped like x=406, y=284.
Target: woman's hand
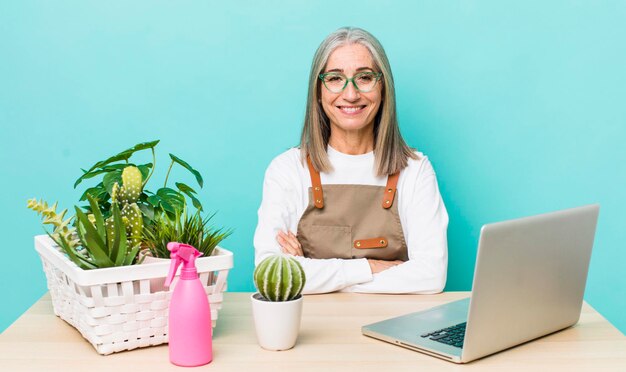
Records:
x=381, y=265
x=289, y=243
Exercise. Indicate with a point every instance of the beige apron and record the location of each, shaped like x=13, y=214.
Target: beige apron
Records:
x=349, y=221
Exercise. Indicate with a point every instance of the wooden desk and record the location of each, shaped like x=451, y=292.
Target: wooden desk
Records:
x=330, y=340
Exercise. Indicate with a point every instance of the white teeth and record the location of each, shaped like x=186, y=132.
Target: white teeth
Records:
x=350, y=110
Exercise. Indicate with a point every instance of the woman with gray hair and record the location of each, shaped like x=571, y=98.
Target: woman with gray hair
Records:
x=358, y=208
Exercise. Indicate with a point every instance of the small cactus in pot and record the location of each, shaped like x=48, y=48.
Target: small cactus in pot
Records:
x=279, y=278
x=277, y=307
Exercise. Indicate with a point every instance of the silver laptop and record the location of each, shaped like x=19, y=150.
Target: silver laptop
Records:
x=529, y=281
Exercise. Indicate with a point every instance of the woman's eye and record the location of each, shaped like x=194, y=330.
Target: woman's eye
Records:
x=333, y=79
x=366, y=78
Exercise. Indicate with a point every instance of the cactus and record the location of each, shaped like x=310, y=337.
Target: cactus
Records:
x=134, y=223
x=279, y=278
x=131, y=187
x=62, y=228
x=132, y=219
x=109, y=226
x=115, y=193
x=126, y=197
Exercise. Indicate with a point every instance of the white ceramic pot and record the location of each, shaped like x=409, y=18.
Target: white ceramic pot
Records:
x=277, y=324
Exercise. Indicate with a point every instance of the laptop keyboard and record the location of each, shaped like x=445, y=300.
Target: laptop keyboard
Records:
x=450, y=336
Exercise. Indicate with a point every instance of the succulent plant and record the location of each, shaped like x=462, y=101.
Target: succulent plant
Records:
x=132, y=184
x=131, y=217
x=92, y=243
x=105, y=242
x=131, y=188
x=279, y=278
x=133, y=222
x=63, y=230
x=125, y=197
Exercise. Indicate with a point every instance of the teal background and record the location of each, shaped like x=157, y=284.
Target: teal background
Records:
x=519, y=105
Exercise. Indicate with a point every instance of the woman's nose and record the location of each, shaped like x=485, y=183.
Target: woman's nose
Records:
x=351, y=93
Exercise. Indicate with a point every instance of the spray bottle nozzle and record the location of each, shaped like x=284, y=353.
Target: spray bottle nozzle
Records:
x=181, y=253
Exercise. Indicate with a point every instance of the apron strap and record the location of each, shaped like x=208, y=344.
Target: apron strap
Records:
x=316, y=185
x=390, y=190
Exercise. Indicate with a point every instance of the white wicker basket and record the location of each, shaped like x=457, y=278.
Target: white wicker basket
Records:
x=116, y=309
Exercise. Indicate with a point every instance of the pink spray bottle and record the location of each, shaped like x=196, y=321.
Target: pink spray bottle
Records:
x=190, y=329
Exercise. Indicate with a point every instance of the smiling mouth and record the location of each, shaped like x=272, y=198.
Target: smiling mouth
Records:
x=351, y=110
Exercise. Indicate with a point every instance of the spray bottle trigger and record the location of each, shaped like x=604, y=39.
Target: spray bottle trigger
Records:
x=176, y=261
x=173, y=268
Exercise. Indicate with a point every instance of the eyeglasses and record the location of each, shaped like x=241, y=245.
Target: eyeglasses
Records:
x=364, y=81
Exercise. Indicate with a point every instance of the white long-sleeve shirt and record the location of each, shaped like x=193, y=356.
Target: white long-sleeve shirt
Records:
x=422, y=214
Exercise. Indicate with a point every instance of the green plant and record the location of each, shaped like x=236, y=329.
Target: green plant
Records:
x=63, y=230
x=279, y=278
x=106, y=243
x=92, y=243
x=165, y=200
x=185, y=228
x=121, y=213
x=126, y=197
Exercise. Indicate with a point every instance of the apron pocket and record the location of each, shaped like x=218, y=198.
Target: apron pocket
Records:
x=320, y=241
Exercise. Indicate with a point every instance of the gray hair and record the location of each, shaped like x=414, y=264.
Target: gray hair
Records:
x=390, y=151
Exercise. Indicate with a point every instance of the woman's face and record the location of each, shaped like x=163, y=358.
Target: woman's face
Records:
x=351, y=110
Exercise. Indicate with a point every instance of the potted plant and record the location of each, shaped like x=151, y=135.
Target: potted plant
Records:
x=277, y=307
x=185, y=227
x=90, y=258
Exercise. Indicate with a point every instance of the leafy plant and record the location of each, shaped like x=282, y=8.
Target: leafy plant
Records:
x=165, y=200
x=122, y=215
x=185, y=228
